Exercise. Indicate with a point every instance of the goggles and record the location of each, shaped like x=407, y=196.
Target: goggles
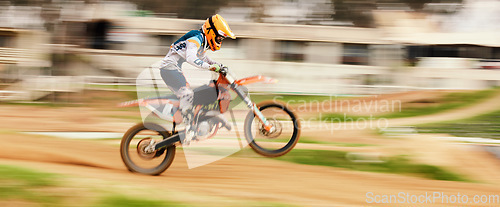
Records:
x=219, y=39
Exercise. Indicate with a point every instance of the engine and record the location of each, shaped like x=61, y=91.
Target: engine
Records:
x=204, y=129
x=208, y=124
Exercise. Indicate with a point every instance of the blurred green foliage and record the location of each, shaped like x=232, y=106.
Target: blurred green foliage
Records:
x=25, y=185
x=484, y=126
x=123, y=201
x=311, y=140
x=398, y=165
x=449, y=101
x=26, y=177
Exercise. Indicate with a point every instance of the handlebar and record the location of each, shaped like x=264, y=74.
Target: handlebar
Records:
x=224, y=70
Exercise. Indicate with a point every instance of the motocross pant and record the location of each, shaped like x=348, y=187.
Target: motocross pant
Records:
x=176, y=82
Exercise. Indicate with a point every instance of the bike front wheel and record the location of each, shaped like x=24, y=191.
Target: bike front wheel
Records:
x=279, y=141
x=134, y=153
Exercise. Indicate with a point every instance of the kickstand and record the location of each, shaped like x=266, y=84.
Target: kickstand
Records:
x=236, y=128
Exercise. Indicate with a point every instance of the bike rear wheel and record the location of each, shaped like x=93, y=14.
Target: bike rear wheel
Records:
x=134, y=155
x=278, y=142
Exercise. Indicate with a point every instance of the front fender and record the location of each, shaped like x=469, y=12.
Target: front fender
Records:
x=255, y=79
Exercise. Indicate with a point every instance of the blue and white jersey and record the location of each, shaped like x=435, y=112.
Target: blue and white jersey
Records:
x=191, y=48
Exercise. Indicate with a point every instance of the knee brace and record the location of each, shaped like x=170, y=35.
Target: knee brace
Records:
x=185, y=95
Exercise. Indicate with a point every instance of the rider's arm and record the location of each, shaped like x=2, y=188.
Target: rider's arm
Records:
x=192, y=47
x=208, y=60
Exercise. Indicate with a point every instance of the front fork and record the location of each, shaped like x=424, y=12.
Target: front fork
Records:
x=265, y=123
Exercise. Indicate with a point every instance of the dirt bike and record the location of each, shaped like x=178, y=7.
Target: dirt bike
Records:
x=271, y=128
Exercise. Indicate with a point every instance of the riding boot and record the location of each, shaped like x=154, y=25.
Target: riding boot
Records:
x=187, y=119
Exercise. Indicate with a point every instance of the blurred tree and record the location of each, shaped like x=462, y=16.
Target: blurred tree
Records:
x=28, y=2
x=417, y=5
x=359, y=11
x=258, y=13
x=356, y=11
x=188, y=9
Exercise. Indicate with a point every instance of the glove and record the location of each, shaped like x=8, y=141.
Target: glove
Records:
x=215, y=67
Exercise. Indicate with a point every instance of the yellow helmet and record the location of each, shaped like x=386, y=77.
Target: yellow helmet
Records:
x=216, y=30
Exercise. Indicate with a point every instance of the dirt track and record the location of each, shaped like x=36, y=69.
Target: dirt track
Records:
x=486, y=106
x=237, y=178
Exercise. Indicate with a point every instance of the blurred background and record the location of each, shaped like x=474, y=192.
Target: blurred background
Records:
x=425, y=72
x=313, y=47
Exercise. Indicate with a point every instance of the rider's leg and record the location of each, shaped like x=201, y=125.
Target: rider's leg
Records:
x=185, y=95
x=176, y=82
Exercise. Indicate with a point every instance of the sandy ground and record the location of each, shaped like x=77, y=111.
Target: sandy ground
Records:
x=365, y=106
x=486, y=106
x=390, y=103
x=311, y=126
x=33, y=118
x=247, y=178
x=236, y=178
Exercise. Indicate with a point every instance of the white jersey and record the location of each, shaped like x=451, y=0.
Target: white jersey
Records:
x=191, y=48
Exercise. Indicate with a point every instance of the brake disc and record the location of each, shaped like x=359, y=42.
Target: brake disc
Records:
x=142, y=147
x=273, y=134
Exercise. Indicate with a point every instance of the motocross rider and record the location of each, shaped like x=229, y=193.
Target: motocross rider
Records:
x=192, y=48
